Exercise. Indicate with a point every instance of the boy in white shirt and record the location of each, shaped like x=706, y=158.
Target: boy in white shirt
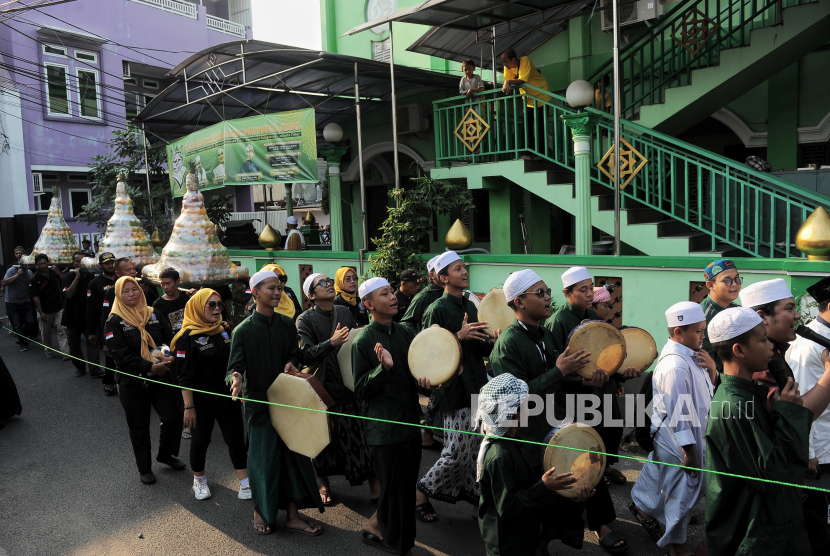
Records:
x=683, y=388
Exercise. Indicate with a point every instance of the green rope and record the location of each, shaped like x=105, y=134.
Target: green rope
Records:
x=420, y=426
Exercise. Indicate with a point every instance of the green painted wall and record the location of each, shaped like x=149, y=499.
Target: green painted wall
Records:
x=782, y=121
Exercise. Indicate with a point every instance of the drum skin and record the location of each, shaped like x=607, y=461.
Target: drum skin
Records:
x=344, y=358
x=588, y=468
x=304, y=432
x=605, y=343
x=640, y=348
x=435, y=354
x=495, y=312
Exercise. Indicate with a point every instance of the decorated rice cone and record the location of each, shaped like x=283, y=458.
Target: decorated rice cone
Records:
x=125, y=236
x=194, y=249
x=56, y=239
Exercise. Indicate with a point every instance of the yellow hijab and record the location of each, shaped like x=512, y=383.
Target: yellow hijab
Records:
x=286, y=306
x=350, y=298
x=194, y=317
x=137, y=316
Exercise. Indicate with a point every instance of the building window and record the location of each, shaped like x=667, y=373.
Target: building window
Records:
x=131, y=103
x=78, y=199
x=54, y=50
x=43, y=201
x=86, y=56
x=150, y=84
x=77, y=178
x=57, y=90
x=44, y=176
x=88, y=95
x=131, y=81
x=148, y=99
x=381, y=50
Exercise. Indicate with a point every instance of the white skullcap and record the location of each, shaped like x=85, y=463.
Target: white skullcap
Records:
x=258, y=277
x=431, y=263
x=574, y=275
x=518, y=282
x=731, y=323
x=371, y=285
x=683, y=313
x=444, y=260
x=309, y=281
x=765, y=292
x=291, y=220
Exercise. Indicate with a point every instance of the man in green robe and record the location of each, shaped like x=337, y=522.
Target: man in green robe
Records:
x=388, y=394
x=452, y=477
x=525, y=350
x=263, y=346
x=724, y=286
x=743, y=438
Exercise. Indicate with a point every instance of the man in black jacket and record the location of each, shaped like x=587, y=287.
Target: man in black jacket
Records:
x=75, y=285
x=95, y=292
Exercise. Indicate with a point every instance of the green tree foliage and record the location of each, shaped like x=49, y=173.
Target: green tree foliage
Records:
x=407, y=228
x=125, y=157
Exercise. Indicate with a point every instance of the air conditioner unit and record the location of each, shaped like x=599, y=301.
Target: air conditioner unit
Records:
x=37, y=183
x=631, y=13
x=125, y=68
x=412, y=118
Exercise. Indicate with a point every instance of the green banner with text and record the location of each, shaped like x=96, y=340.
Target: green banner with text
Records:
x=273, y=148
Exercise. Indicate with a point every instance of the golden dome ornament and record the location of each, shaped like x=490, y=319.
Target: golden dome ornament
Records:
x=458, y=236
x=269, y=238
x=309, y=219
x=813, y=238
x=156, y=240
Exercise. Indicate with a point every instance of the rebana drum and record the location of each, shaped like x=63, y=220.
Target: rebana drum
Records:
x=304, y=432
x=605, y=343
x=588, y=468
x=435, y=354
x=495, y=312
x=344, y=359
x=640, y=348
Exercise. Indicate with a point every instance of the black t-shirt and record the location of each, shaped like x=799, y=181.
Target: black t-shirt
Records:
x=48, y=288
x=95, y=292
x=74, y=308
x=403, y=304
x=172, y=310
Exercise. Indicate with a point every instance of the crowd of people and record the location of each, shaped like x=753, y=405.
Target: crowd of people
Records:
x=719, y=360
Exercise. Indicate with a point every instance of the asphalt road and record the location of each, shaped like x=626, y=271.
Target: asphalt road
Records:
x=69, y=485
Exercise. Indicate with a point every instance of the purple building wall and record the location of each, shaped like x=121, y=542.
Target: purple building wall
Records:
x=150, y=39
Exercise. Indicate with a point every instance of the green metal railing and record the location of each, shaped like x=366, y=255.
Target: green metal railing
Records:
x=690, y=37
x=733, y=204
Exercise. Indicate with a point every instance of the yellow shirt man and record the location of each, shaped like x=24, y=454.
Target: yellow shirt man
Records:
x=528, y=73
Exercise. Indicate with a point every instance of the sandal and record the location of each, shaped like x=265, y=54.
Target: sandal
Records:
x=305, y=531
x=326, y=494
x=652, y=526
x=268, y=528
x=615, y=476
x=186, y=434
x=110, y=389
x=422, y=510
x=608, y=541
x=373, y=540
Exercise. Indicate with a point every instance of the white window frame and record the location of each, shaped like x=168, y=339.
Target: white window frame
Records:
x=154, y=84
x=71, y=206
x=63, y=48
x=131, y=81
x=147, y=99
x=50, y=177
x=68, y=97
x=87, y=53
x=137, y=101
x=78, y=71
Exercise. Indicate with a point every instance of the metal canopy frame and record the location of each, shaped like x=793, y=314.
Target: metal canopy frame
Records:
x=247, y=77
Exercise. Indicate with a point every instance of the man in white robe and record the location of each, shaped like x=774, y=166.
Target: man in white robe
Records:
x=683, y=389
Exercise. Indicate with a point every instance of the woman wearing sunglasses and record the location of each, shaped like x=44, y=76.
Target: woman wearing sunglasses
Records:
x=201, y=349
x=290, y=305
x=345, y=286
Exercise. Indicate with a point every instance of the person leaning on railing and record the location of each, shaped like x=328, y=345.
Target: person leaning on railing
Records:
x=517, y=72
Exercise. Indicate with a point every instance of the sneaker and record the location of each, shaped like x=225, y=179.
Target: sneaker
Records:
x=244, y=493
x=200, y=488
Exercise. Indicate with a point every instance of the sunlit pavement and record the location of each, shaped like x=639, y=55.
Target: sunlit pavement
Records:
x=69, y=485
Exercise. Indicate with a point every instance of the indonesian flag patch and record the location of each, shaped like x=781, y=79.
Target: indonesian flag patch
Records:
x=106, y=303
x=179, y=354
x=108, y=336
x=89, y=293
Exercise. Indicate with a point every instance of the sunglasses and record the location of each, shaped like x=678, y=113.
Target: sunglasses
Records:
x=350, y=278
x=282, y=278
x=324, y=283
x=540, y=292
x=729, y=281
x=213, y=304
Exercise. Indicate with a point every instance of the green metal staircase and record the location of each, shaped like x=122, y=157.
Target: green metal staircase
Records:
x=684, y=200
x=706, y=53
